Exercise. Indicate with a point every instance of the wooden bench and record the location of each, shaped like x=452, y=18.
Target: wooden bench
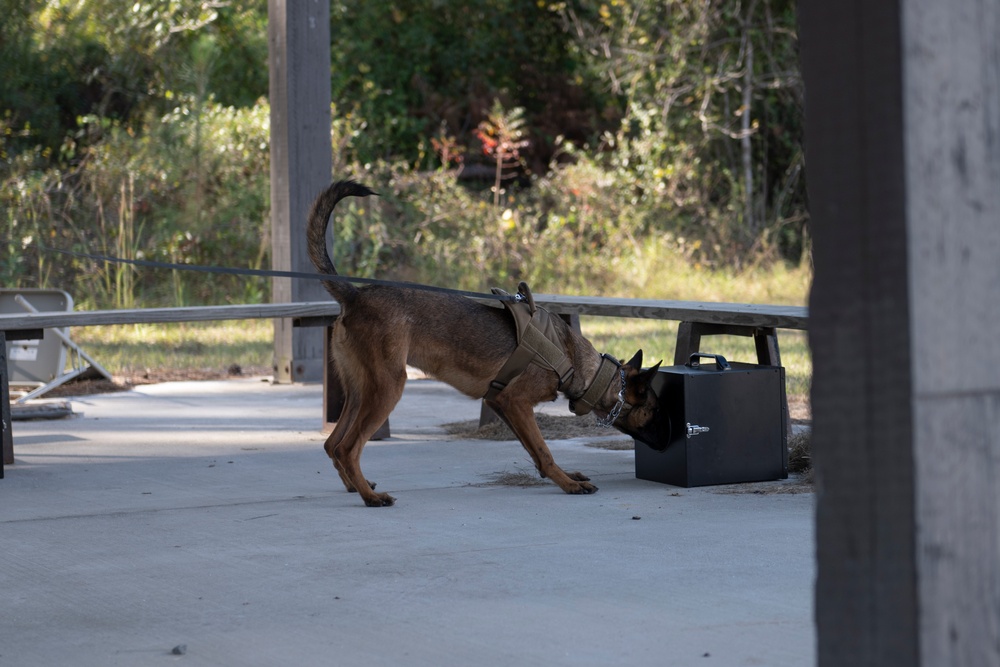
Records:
x=697, y=319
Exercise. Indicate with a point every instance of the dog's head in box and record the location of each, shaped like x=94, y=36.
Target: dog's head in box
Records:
x=642, y=414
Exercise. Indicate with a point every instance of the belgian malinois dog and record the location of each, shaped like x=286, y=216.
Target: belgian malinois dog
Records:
x=465, y=343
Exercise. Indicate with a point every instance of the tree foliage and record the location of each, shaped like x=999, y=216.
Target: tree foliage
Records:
x=711, y=127
x=140, y=128
x=411, y=67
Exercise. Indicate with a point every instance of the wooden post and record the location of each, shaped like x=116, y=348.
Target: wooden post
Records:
x=6, y=433
x=299, y=66
x=6, y=428
x=903, y=153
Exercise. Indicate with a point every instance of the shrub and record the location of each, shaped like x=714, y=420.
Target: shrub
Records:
x=191, y=187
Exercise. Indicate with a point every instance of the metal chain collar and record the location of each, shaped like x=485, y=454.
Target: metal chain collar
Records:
x=609, y=421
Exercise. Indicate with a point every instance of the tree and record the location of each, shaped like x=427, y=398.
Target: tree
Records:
x=712, y=109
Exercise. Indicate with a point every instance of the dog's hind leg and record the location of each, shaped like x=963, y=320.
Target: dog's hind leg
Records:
x=336, y=439
x=381, y=396
x=520, y=416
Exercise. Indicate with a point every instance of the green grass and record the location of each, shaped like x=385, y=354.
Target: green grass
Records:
x=657, y=270
x=193, y=348
x=656, y=274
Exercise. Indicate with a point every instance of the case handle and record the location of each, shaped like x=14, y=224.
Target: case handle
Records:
x=720, y=361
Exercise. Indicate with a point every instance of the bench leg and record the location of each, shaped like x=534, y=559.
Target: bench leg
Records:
x=333, y=393
x=486, y=415
x=766, y=341
x=688, y=341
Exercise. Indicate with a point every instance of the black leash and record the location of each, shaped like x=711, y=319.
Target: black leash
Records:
x=269, y=273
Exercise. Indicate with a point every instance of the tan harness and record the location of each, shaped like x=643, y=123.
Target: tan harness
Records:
x=538, y=343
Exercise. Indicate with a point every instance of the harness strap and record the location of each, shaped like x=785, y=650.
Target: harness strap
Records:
x=605, y=374
x=535, y=331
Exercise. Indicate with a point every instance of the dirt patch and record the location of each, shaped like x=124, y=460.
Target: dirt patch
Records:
x=521, y=479
x=796, y=483
x=552, y=427
x=83, y=388
x=799, y=453
x=613, y=444
x=152, y=376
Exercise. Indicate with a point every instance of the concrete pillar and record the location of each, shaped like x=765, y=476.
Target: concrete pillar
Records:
x=903, y=160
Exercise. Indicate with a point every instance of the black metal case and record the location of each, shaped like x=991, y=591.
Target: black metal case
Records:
x=726, y=425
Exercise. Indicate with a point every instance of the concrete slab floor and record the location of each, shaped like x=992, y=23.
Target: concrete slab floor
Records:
x=206, y=515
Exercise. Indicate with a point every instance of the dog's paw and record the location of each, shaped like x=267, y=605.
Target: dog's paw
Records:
x=582, y=488
x=352, y=489
x=578, y=476
x=380, y=500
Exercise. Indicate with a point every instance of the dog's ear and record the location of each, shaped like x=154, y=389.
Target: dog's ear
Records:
x=647, y=375
x=639, y=382
x=636, y=361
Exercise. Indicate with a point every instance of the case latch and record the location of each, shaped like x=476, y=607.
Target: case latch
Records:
x=694, y=429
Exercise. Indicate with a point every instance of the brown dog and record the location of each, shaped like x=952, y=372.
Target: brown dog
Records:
x=381, y=329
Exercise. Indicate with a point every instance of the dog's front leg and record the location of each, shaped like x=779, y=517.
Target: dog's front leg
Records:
x=520, y=416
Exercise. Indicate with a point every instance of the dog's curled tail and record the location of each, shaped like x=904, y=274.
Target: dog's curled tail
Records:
x=319, y=218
